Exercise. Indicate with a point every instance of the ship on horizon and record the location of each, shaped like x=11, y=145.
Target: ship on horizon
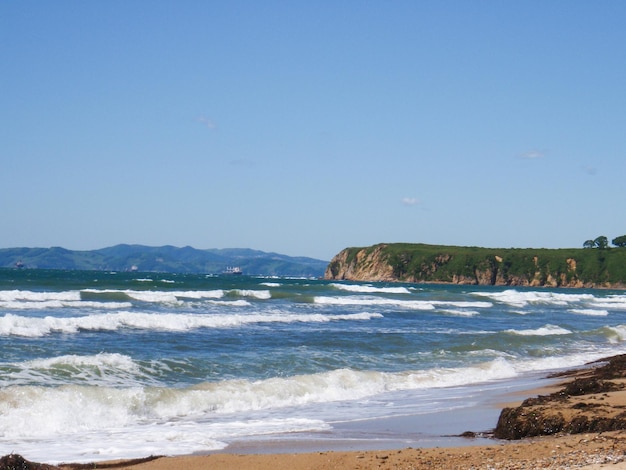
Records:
x=233, y=270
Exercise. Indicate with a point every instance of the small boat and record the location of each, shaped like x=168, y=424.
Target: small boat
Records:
x=233, y=270
x=19, y=264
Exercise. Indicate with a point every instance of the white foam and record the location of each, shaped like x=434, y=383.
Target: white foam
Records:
x=462, y=304
x=553, y=363
x=160, y=296
x=104, y=369
x=367, y=289
x=408, y=304
x=59, y=304
x=589, y=311
x=611, y=302
x=116, y=360
x=29, y=300
x=257, y=294
x=522, y=299
x=63, y=423
x=53, y=424
x=547, y=330
x=21, y=295
x=374, y=301
x=108, y=407
x=460, y=313
x=14, y=325
x=37, y=412
x=616, y=334
x=28, y=412
x=231, y=303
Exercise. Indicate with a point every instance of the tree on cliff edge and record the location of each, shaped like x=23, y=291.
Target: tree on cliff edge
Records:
x=619, y=241
x=601, y=242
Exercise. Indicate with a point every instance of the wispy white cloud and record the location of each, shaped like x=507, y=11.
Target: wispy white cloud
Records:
x=410, y=201
x=533, y=154
x=209, y=123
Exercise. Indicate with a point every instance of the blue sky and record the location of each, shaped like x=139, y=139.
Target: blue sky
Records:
x=307, y=127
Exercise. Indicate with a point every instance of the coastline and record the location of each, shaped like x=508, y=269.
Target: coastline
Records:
x=583, y=451
x=561, y=450
x=477, y=266
x=588, y=451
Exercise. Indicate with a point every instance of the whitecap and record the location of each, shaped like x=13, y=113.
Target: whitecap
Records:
x=30, y=296
x=368, y=289
x=589, y=311
x=547, y=330
x=14, y=325
x=612, y=302
x=461, y=313
x=374, y=301
x=522, y=299
x=408, y=304
x=257, y=294
x=616, y=334
x=163, y=296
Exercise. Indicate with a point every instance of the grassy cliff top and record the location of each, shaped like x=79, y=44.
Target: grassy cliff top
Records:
x=573, y=267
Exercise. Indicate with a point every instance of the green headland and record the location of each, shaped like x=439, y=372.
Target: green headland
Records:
x=597, y=265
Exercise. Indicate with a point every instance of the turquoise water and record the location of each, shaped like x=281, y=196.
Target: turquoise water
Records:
x=98, y=365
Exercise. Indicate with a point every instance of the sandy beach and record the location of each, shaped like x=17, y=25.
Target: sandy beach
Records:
x=581, y=451
x=586, y=451
x=578, y=423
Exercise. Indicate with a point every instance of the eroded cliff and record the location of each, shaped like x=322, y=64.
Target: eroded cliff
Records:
x=481, y=266
x=362, y=265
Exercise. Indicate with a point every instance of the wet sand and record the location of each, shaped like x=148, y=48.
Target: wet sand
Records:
x=586, y=451
x=579, y=451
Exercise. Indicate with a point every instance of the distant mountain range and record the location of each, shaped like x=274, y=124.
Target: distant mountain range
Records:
x=163, y=259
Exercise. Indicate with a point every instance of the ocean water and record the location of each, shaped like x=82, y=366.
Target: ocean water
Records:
x=99, y=365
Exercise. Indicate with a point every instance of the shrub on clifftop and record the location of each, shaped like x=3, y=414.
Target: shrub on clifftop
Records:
x=619, y=241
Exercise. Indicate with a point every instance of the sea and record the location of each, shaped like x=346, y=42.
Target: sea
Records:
x=107, y=365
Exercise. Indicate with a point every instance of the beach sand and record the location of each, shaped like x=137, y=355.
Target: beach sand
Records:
x=564, y=452
x=585, y=416
x=587, y=451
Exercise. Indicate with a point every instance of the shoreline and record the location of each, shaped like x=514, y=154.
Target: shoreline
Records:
x=561, y=450
x=588, y=451
x=473, y=411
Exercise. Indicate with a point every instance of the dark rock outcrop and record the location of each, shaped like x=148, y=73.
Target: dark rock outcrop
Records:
x=580, y=406
x=17, y=462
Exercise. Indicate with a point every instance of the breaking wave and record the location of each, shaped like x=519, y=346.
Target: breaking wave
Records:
x=547, y=330
x=15, y=325
x=368, y=289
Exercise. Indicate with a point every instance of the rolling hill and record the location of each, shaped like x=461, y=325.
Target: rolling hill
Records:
x=163, y=259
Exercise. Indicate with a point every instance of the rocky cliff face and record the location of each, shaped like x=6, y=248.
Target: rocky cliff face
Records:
x=365, y=265
x=424, y=264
